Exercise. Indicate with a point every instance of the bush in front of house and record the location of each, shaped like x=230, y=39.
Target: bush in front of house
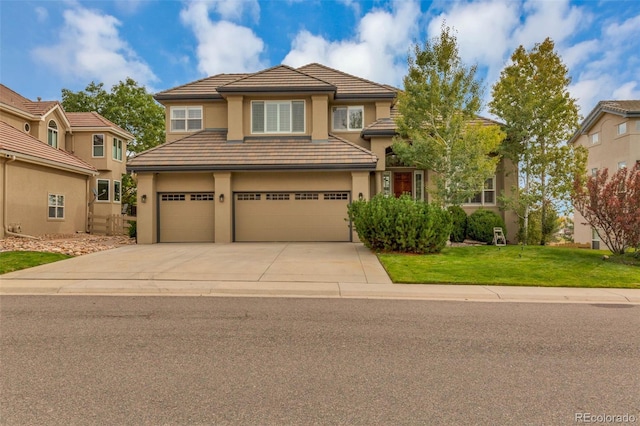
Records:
x=480, y=225
x=400, y=224
x=459, y=218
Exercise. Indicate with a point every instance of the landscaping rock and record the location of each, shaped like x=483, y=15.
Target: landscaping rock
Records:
x=70, y=244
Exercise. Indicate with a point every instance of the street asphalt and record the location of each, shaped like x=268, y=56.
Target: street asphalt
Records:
x=326, y=270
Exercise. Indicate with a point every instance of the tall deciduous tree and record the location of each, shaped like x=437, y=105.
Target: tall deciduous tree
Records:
x=532, y=98
x=127, y=105
x=440, y=100
x=611, y=206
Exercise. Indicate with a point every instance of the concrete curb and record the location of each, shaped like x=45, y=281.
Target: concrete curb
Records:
x=319, y=290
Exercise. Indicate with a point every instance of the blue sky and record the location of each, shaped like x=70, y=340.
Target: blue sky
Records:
x=50, y=45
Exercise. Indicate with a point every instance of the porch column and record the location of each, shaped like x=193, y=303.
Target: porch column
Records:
x=223, y=209
x=147, y=209
x=378, y=178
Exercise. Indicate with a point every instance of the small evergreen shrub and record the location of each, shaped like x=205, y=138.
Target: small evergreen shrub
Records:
x=133, y=230
x=459, y=218
x=400, y=224
x=480, y=225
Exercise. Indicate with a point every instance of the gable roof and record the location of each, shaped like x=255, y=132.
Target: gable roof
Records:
x=281, y=78
x=200, y=89
x=209, y=150
x=25, y=147
x=25, y=107
x=93, y=120
x=622, y=108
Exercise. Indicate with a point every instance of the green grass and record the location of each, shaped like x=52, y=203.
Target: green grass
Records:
x=15, y=260
x=514, y=265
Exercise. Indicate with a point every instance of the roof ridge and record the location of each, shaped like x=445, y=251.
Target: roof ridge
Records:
x=273, y=68
x=203, y=79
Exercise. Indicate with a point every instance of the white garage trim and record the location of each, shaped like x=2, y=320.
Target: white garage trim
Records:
x=291, y=216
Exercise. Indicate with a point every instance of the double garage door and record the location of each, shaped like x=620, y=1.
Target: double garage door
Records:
x=257, y=216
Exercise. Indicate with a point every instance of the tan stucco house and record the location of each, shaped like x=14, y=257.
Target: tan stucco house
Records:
x=611, y=134
x=52, y=165
x=275, y=155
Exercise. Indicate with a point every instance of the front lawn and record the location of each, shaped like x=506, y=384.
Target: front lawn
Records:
x=513, y=265
x=15, y=260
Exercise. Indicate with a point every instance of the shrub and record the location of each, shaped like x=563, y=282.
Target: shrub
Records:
x=536, y=230
x=400, y=224
x=133, y=230
x=480, y=225
x=459, y=218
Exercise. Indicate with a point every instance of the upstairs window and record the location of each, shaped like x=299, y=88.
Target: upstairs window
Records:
x=622, y=128
x=98, y=145
x=117, y=149
x=348, y=118
x=277, y=117
x=595, y=138
x=487, y=196
x=52, y=134
x=186, y=119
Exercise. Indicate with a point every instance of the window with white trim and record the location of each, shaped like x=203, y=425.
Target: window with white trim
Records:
x=594, y=172
x=595, y=138
x=98, y=145
x=117, y=191
x=52, y=134
x=103, y=190
x=117, y=149
x=622, y=128
x=55, y=206
x=277, y=117
x=186, y=119
x=418, y=184
x=487, y=196
x=347, y=117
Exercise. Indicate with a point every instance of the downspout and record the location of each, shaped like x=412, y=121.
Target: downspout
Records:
x=4, y=203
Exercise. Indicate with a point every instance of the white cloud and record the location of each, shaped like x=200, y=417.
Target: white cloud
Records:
x=621, y=32
x=378, y=50
x=41, y=14
x=577, y=54
x=555, y=19
x=233, y=10
x=222, y=45
x=629, y=90
x=91, y=48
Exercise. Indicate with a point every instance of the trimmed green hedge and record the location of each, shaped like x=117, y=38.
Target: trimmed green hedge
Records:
x=480, y=225
x=400, y=224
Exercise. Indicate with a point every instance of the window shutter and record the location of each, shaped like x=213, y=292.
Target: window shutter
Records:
x=297, y=116
x=257, y=117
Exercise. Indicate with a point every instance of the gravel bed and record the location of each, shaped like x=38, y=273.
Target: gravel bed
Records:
x=70, y=244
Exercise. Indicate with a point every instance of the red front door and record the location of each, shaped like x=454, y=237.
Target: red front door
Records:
x=402, y=182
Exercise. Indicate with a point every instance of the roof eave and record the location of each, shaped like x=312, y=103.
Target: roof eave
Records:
x=187, y=97
x=291, y=89
x=364, y=96
x=43, y=162
x=244, y=167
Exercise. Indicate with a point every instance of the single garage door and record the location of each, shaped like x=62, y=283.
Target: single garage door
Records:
x=291, y=216
x=186, y=217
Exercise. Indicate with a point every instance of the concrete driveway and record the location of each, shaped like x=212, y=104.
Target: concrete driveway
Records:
x=199, y=265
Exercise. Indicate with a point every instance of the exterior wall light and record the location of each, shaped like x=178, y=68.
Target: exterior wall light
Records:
x=221, y=198
x=360, y=196
x=143, y=198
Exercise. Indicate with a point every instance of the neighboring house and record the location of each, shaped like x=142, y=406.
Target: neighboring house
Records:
x=275, y=155
x=52, y=163
x=611, y=134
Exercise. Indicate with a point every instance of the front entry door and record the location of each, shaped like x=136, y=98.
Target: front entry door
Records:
x=402, y=182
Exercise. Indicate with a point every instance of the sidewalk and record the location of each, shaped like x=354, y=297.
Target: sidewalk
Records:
x=331, y=270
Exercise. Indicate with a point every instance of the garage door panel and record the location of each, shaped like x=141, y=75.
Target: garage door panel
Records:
x=292, y=217
x=186, y=217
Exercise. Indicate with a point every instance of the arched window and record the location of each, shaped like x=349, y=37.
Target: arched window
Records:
x=52, y=134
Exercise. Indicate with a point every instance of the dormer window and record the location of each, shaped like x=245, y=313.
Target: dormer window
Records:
x=346, y=118
x=277, y=117
x=52, y=134
x=186, y=119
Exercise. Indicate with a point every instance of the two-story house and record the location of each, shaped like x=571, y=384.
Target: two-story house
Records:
x=275, y=155
x=611, y=134
x=56, y=167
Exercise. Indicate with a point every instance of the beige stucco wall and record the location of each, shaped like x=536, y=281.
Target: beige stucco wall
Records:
x=607, y=153
x=28, y=186
x=214, y=116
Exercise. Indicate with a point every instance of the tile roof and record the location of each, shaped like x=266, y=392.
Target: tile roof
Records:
x=200, y=89
x=78, y=120
x=349, y=86
x=22, y=145
x=209, y=150
x=15, y=100
x=381, y=127
x=282, y=78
